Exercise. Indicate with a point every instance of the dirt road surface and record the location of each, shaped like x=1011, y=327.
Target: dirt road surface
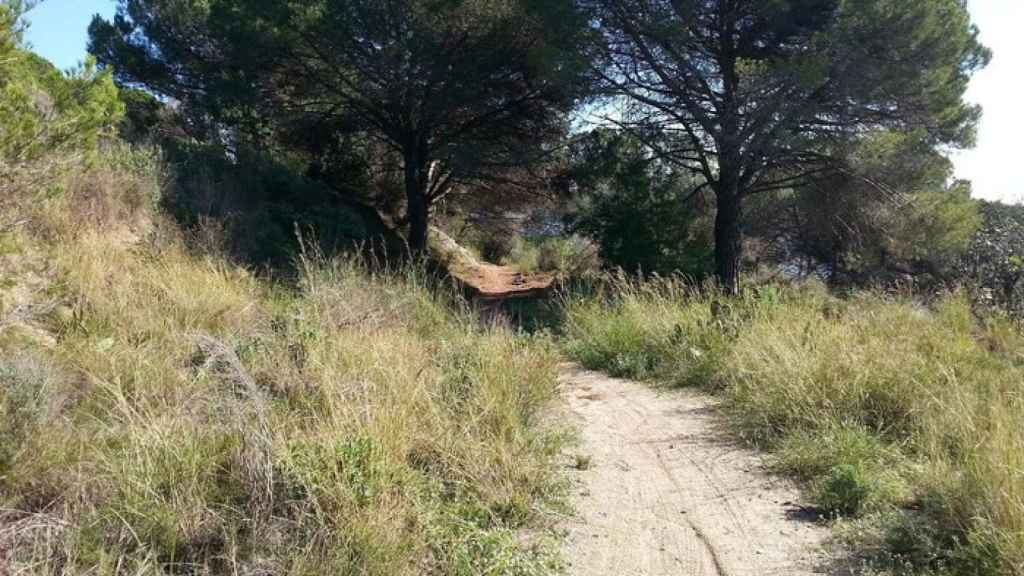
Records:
x=485, y=280
x=660, y=490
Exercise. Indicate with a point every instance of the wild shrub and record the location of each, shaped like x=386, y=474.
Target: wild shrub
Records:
x=253, y=208
x=29, y=390
x=117, y=190
x=565, y=257
x=844, y=490
x=644, y=215
x=52, y=120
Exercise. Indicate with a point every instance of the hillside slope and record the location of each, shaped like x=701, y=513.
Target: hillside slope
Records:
x=165, y=411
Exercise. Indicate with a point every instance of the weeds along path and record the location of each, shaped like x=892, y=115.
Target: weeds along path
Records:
x=659, y=490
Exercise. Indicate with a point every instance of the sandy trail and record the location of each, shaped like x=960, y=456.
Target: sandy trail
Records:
x=503, y=282
x=665, y=493
x=487, y=281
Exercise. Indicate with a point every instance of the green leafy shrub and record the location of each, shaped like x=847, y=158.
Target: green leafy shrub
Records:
x=255, y=207
x=51, y=120
x=643, y=215
x=571, y=256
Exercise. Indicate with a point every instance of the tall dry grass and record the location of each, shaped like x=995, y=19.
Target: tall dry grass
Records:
x=906, y=416
x=193, y=418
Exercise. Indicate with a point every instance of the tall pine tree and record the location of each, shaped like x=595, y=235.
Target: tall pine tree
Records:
x=461, y=91
x=765, y=93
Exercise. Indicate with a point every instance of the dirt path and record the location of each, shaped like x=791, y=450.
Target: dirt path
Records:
x=503, y=282
x=485, y=280
x=664, y=493
x=506, y=282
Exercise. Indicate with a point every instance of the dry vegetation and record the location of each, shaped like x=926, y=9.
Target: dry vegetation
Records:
x=903, y=420
x=166, y=411
x=189, y=417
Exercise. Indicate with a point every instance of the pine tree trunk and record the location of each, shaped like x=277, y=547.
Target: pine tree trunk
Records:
x=417, y=210
x=728, y=235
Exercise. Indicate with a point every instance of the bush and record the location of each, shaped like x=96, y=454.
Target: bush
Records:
x=644, y=215
x=253, y=208
x=572, y=256
x=119, y=191
x=844, y=491
x=51, y=120
x=562, y=256
x=28, y=390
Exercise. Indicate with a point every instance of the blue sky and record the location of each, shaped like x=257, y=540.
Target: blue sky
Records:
x=58, y=32
x=58, y=28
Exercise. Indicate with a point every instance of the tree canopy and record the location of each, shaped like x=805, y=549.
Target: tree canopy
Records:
x=805, y=104
x=461, y=91
x=893, y=208
x=641, y=211
x=49, y=117
x=765, y=94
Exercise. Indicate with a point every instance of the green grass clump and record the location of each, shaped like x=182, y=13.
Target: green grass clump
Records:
x=906, y=416
x=849, y=469
x=663, y=329
x=26, y=402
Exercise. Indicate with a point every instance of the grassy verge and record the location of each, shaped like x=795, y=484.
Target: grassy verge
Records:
x=901, y=419
x=191, y=418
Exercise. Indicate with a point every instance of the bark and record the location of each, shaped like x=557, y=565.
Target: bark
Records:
x=418, y=209
x=728, y=234
x=728, y=219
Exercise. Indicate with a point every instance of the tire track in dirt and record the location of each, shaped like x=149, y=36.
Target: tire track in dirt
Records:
x=666, y=492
